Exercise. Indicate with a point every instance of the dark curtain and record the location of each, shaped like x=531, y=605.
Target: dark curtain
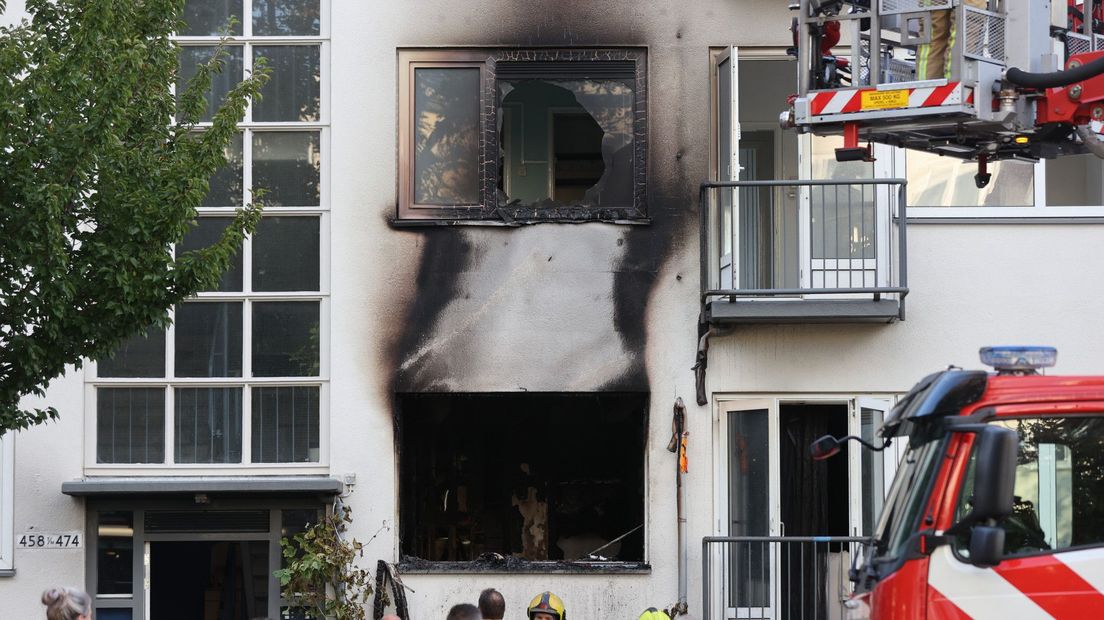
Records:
x=812, y=498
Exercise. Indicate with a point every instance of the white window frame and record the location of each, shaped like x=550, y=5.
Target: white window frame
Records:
x=1037, y=210
x=7, y=504
x=322, y=295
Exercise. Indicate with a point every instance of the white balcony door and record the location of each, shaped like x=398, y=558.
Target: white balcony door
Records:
x=871, y=472
x=727, y=70
x=845, y=229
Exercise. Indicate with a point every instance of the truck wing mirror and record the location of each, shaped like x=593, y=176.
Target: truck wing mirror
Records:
x=986, y=545
x=995, y=449
x=825, y=447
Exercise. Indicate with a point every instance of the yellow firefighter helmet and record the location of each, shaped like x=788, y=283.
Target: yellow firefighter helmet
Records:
x=652, y=613
x=547, y=603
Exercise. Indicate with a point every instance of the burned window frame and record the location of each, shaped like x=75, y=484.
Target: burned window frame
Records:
x=488, y=210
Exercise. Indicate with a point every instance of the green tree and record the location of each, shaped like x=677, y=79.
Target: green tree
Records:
x=101, y=171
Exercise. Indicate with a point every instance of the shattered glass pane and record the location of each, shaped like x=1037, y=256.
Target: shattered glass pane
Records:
x=446, y=136
x=566, y=142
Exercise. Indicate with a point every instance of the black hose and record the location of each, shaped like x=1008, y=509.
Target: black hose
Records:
x=1057, y=78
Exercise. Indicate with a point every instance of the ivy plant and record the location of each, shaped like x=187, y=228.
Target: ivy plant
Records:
x=322, y=575
x=102, y=168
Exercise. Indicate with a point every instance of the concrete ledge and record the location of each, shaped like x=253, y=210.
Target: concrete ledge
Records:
x=805, y=311
x=170, y=485
x=508, y=566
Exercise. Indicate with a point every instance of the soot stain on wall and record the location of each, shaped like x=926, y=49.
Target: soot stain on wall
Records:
x=646, y=248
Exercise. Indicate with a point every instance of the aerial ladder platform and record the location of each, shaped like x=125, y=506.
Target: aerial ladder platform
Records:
x=1022, y=79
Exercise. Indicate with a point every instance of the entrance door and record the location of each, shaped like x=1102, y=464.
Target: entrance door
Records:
x=209, y=579
x=772, y=488
x=750, y=442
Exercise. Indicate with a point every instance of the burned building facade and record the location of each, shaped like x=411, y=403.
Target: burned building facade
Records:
x=483, y=297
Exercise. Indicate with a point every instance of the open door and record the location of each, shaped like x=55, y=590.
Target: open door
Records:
x=750, y=445
x=871, y=472
x=727, y=70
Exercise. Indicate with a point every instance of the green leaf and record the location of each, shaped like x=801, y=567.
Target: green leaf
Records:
x=96, y=185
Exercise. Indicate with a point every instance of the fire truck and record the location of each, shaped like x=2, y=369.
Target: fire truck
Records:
x=997, y=509
x=978, y=80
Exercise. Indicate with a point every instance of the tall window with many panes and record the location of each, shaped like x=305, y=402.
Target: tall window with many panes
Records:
x=240, y=376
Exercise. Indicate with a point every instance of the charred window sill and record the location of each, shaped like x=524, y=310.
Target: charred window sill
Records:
x=524, y=218
x=418, y=566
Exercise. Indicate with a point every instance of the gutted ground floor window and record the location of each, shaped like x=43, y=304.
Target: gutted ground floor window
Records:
x=530, y=477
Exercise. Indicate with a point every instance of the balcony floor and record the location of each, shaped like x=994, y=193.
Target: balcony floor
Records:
x=804, y=311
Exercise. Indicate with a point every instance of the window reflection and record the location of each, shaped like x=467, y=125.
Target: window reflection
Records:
x=940, y=181
x=566, y=142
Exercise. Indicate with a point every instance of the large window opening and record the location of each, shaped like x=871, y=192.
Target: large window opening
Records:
x=530, y=477
x=566, y=141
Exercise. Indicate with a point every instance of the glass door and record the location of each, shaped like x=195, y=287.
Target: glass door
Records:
x=750, y=568
x=846, y=227
x=727, y=70
x=871, y=472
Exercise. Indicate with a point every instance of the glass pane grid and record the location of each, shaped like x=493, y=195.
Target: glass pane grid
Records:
x=266, y=310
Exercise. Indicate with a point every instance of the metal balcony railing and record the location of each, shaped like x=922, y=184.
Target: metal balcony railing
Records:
x=777, y=577
x=792, y=251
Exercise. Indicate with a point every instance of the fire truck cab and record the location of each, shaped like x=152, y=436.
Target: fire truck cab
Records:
x=980, y=80
x=997, y=509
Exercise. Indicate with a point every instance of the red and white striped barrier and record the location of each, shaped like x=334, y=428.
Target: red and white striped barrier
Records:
x=851, y=100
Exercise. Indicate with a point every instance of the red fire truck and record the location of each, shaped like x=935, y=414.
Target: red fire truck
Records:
x=997, y=510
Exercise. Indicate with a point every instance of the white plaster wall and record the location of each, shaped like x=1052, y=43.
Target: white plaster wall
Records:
x=45, y=457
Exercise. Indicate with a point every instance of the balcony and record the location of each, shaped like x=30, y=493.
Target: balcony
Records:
x=830, y=251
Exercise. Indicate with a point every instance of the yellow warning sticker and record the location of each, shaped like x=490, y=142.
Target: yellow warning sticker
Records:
x=884, y=99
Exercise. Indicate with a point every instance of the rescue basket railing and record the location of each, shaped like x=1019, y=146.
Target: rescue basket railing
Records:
x=887, y=41
x=831, y=239
x=778, y=577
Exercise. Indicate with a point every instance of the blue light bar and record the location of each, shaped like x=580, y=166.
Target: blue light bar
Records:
x=1019, y=359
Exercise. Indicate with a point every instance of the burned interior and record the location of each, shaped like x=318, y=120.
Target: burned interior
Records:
x=530, y=135
x=531, y=477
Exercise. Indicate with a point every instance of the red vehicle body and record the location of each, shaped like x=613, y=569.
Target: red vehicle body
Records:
x=1049, y=561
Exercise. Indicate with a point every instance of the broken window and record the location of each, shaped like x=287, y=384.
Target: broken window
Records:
x=530, y=477
x=522, y=135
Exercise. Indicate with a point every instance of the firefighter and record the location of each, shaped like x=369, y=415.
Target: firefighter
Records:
x=933, y=60
x=652, y=613
x=547, y=606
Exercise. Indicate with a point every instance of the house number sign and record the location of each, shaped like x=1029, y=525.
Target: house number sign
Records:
x=50, y=540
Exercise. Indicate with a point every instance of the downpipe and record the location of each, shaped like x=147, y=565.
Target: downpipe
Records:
x=679, y=437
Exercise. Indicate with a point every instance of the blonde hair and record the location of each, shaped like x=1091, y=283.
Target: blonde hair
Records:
x=66, y=603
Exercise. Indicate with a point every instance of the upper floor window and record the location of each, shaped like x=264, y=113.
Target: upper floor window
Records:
x=240, y=377
x=529, y=135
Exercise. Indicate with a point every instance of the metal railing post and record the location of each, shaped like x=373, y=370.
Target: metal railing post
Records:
x=707, y=580
x=902, y=245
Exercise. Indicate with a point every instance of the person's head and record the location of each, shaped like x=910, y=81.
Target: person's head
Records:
x=67, y=604
x=464, y=611
x=491, y=604
x=547, y=606
x=652, y=613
